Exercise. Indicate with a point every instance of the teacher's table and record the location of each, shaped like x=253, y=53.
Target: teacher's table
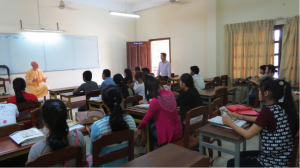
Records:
x=222, y=134
x=170, y=155
x=139, y=112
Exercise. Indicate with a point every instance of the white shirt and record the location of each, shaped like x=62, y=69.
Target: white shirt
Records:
x=8, y=114
x=139, y=89
x=198, y=82
x=164, y=69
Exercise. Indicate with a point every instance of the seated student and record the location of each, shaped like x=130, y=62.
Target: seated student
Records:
x=189, y=98
x=8, y=114
x=86, y=87
x=277, y=123
x=19, y=86
x=146, y=71
x=198, y=80
x=107, y=79
x=54, y=115
x=167, y=126
x=128, y=76
x=137, y=69
x=139, y=87
x=116, y=120
x=126, y=91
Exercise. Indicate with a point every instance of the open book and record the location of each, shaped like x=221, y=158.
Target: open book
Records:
x=217, y=121
x=224, y=111
x=28, y=136
x=74, y=125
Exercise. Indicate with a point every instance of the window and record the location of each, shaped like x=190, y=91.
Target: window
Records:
x=277, y=48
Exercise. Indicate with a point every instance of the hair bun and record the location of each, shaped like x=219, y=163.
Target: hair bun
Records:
x=281, y=83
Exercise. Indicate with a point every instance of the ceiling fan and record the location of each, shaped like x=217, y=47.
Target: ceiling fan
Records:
x=166, y=2
x=63, y=6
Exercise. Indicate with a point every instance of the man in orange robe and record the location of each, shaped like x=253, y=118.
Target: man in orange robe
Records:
x=35, y=81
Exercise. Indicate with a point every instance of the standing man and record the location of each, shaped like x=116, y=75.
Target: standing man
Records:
x=164, y=67
x=35, y=81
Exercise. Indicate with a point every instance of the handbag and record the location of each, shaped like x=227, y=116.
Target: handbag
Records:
x=140, y=137
x=89, y=117
x=84, y=162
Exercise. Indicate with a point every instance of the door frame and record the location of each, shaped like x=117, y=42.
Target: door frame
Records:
x=166, y=38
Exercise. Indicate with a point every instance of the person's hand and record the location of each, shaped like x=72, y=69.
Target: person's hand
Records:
x=135, y=130
x=45, y=79
x=239, y=116
x=143, y=102
x=226, y=120
x=35, y=79
x=176, y=94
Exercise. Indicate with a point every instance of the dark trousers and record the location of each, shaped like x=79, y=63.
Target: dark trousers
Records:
x=164, y=78
x=153, y=135
x=247, y=159
x=82, y=108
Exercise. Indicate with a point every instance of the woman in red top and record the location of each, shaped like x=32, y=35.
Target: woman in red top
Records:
x=19, y=86
x=167, y=127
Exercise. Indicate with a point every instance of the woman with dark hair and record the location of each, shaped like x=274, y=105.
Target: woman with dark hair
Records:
x=116, y=120
x=128, y=76
x=277, y=124
x=126, y=91
x=19, y=86
x=167, y=127
x=189, y=97
x=54, y=116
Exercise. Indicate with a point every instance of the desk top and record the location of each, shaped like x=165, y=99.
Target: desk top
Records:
x=96, y=101
x=70, y=94
x=174, y=79
x=211, y=91
x=240, y=84
x=8, y=146
x=62, y=89
x=221, y=132
x=136, y=110
x=208, y=79
x=170, y=156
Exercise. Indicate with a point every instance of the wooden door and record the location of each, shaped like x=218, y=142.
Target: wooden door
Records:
x=138, y=54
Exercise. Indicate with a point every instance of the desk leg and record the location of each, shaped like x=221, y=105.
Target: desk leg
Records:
x=244, y=145
x=148, y=138
x=200, y=142
x=247, y=91
x=70, y=106
x=237, y=155
x=233, y=97
x=209, y=103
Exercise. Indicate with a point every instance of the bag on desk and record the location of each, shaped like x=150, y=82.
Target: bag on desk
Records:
x=140, y=137
x=89, y=117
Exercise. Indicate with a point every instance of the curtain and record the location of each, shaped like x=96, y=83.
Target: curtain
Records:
x=290, y=51
x=247, y=46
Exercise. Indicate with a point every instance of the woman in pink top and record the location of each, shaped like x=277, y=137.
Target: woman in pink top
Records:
x=167, y=127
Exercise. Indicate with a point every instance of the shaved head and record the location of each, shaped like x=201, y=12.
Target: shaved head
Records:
x=34, y=65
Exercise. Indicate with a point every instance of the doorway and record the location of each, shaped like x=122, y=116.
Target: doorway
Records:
x=159, y=46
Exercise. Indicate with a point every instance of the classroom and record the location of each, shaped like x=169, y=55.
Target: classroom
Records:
x=129, y=82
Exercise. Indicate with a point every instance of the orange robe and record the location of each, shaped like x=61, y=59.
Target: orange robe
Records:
x=38, y=88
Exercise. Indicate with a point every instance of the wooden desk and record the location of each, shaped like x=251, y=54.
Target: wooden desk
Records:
x=247, y=88
x=210, y=93
x=69, y=96
x=173, y=80
x=139, y=112
x=170, y=156
x=208, y=80
x=4, y=98
x=95, y=103
x=224, y=135
x=54, y=92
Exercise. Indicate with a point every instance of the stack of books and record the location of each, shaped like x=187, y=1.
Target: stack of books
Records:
x=217, y=121
x=28, y=136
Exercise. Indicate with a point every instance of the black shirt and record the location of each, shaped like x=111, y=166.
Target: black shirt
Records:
x=127, y=78
x=188, y=100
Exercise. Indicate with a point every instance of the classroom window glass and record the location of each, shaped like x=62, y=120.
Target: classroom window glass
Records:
x=277, y=48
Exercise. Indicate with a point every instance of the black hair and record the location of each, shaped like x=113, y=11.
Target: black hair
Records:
x=106, y=72
x=263, y=67
x=19, y=85
x=271, y=69
x=278, y=89
x=195, y=69
x=128, y=73
x=54, y=114
x=137, y=68
x=138, y=75
x=164, y=54
x=187, y=79
x=152, y=86
x=147, y=70
x=112, y=98
x=119, y=80
x=87, y=75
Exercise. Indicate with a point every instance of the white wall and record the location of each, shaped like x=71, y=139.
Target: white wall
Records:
x=192, y=30
x=237, y=11
x=112, y=33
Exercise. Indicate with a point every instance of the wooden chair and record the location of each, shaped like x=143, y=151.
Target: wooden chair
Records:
x=163, y=83
x=35, y=114
x=3, y=85
x=28, y=105
x=175, y=87
x=172, y=75
x=9, y=129
x=132, y=99
x=222, y=92
x=224, y=79
x=109, y=139
x=88, y=95
x=188, y=141
x=209, y=85
x=56, y=157
x=217, y=81
x=295, y=153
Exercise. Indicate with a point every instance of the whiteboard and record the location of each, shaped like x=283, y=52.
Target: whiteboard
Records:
x=52, y=52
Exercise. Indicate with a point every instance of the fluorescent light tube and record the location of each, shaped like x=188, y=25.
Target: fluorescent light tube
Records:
x=125, y=14
x=43, y=30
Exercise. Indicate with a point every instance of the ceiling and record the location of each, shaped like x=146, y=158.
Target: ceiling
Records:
x=128, y=1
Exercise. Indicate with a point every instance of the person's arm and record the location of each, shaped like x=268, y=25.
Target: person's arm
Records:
x=76, y=91
x=43, y=79
x=158, y=71
x=29, y=78
x=255, y=82
x=153, y=107
x=243, y=117
x=102, y=85
x=169, y=69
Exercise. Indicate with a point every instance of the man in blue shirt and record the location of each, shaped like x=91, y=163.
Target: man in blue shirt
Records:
x=107, y=79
